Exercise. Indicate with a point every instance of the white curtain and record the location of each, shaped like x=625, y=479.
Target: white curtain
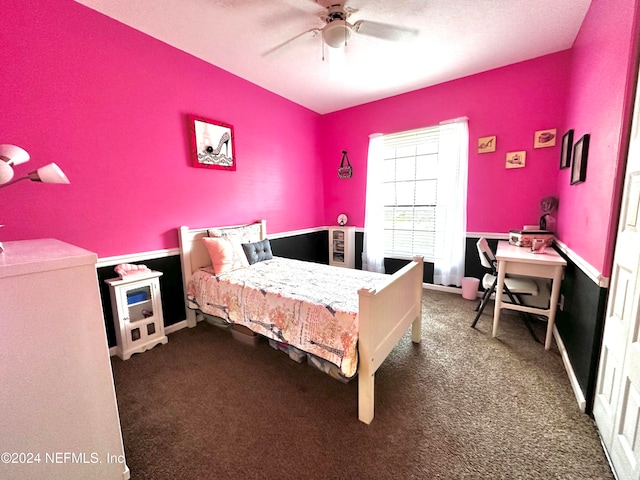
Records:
x=451, y=217
x=373, y=246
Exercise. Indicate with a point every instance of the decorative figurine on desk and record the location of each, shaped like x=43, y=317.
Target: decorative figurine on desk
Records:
x=548, y=205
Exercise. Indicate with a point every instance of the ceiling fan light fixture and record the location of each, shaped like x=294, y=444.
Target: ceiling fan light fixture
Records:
x=336, y=33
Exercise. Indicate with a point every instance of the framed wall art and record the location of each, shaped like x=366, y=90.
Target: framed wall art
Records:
x=487, y=144
x=567, y=148
x=544, y=138
x=579, y=159
x=515, y=159
x=212, y=144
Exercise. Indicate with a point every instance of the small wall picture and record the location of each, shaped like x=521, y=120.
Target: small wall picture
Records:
x=516, y=159
x=580, y=152
x=567, y=148
x=544, y=138
x=212, y=144
x=487, y=144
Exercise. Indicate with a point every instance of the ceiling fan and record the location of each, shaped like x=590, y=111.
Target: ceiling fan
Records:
x=337, y=30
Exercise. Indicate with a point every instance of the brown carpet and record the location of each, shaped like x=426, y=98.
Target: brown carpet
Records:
x=460, y=405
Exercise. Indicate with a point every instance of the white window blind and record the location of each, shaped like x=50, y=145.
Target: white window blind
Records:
x=410, y=192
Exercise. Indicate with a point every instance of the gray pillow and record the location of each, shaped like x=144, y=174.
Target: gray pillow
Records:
x=258, y=251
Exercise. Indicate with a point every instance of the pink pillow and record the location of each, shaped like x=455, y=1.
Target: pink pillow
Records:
x=226, y=254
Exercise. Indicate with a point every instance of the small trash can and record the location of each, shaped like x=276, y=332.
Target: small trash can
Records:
x=470, y=288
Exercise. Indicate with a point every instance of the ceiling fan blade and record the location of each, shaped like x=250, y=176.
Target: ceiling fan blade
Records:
x=293, y=11
x=385, y=31
x=291, y=40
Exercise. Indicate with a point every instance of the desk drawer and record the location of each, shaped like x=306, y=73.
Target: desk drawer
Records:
x=529, y=269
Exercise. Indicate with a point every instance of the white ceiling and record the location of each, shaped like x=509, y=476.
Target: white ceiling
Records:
x=456, y=38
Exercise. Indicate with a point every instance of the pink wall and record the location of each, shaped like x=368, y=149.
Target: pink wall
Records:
x=598, y=103
x=109, y=105
x=587, y=88
x=511, y=102
x=114, y=103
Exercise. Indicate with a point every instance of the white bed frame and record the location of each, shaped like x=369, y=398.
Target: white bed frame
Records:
x=384, y=314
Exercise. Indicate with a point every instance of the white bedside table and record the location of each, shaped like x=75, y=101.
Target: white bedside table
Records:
x=137, y=312
x=342, y=246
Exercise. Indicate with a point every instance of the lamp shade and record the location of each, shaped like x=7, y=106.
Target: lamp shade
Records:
x=13, y=155
x=337, y=33
x=49, y=174
x=6, y=172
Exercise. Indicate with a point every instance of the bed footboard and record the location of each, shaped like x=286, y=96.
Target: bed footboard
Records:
x=384, y=315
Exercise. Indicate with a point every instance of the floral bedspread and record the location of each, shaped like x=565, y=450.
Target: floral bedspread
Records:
x=311, y=306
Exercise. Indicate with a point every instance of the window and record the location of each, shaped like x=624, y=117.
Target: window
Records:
x=410, y=192
x=416, y=202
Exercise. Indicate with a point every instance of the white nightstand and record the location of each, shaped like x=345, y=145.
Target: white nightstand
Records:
x=137, y=312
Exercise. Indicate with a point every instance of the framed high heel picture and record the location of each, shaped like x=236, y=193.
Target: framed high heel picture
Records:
x=211, y=143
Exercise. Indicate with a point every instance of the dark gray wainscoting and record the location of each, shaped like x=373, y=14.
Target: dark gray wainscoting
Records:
x=310, y=247
x=581, y=325
x=391, y=265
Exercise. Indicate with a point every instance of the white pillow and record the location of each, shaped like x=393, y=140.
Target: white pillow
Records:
x=226, y=254
x=245, y=233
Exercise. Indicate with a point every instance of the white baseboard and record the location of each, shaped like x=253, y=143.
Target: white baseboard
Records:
x=175, y=327
x=442, y=288
x=577, y=391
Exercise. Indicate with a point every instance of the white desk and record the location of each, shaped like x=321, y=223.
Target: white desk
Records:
x=521, y=261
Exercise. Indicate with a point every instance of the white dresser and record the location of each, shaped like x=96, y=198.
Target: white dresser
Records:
x=58, y=411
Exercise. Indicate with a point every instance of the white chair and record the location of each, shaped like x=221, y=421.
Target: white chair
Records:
x=516, y=288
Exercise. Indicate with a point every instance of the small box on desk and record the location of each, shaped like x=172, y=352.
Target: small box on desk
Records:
x=524, y=238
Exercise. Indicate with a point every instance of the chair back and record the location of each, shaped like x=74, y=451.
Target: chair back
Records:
x=487, y=258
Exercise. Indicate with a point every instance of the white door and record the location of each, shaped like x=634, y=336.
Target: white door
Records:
x=617, y=402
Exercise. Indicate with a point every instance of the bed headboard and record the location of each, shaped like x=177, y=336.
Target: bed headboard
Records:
x=194, y=255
